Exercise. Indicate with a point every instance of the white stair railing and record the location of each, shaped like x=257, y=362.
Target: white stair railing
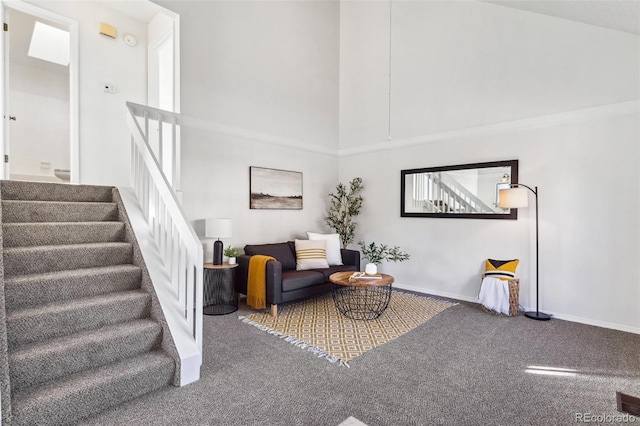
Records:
x=439, y=193
x=177, y=242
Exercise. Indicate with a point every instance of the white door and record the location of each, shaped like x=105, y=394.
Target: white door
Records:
x=39, y=95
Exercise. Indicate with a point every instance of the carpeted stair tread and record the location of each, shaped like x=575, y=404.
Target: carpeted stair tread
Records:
x=23, y=291
x=40, y=191
x=41, y=259
x=43, y=361
x=66, y=317
x=81, y=336
x=89, y=392
x=60, y=233
x=15, y=211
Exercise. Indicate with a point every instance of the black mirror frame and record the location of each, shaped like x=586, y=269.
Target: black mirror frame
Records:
x=512, y=215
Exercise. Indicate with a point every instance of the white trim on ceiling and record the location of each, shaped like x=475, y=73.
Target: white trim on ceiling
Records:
x=251, y=135
x=611, y=110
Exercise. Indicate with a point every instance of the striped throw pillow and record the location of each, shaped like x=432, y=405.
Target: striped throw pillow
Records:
x=503, y=269
x=311, y=254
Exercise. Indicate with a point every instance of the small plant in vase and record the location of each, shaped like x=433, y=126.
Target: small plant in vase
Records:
x=378, y=253
x=231, y=253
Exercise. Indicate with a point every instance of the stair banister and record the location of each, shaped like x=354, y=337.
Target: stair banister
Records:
x=176, y=241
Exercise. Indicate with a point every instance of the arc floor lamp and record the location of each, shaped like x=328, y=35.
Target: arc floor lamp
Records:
x=514, y=197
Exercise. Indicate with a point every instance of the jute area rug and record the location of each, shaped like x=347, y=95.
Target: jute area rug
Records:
x=316, y=325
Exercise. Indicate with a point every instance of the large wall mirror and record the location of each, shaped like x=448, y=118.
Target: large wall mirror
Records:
x=462, y=191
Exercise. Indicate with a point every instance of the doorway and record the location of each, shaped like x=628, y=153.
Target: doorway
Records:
x=40, y=95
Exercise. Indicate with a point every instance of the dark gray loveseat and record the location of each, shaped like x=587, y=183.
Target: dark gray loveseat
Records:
x=284, y=283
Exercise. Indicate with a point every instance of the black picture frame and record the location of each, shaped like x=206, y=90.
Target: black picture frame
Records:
x=513, y=178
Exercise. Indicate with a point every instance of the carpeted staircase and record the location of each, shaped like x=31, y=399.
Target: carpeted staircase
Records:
x=79, y=327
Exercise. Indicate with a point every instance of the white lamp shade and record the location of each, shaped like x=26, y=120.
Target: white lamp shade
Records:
x=513, y=198
x=218, y=228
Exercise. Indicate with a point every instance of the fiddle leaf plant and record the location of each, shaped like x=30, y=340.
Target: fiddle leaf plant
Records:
x=377, y=254
x=345, y=205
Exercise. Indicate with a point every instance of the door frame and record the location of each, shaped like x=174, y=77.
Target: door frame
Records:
x=74, y=92
x=174, y=31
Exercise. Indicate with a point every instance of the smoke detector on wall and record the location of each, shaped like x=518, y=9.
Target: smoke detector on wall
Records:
x=129, y=40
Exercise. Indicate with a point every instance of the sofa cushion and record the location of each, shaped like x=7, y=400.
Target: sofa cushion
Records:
x=294, y=280
x=311, y=254
x=334, y=256
x=280, y=251
x=333, y=269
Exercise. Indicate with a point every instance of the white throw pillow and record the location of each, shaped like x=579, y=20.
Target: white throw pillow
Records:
x=311, y=254
x=334, y=255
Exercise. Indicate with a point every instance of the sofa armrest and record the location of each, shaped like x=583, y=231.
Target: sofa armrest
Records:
x=274, y=282
x=241, y=273
x=273, y=278
x=351, y=257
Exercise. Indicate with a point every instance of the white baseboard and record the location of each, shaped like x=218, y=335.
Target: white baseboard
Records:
x=560, y=316
x=36, y=178
x=436, y=293
x=587, y=321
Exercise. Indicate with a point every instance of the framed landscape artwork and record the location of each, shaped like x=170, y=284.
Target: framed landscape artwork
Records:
x=275, y=189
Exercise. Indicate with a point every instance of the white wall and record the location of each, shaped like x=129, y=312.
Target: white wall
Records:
x=259, y=87
x=40, y=100
x=589, y=219
x=458, y=64
x=266, y=67
x=216, y=184
x=462, y=72
x=104, y=137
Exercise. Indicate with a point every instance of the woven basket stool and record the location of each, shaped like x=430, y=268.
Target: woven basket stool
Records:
x=514, y=300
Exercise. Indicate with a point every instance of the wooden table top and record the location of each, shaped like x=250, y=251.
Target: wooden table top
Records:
x=223, y=266
x=342, y=278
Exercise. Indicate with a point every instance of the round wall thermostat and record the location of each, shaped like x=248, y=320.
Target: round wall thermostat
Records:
x=130, y=40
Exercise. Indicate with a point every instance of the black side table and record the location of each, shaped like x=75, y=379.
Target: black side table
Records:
x=220, y=296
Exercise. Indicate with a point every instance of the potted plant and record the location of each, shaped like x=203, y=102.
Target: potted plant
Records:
x=345, y=205
x=377, y=253
x=231, y=253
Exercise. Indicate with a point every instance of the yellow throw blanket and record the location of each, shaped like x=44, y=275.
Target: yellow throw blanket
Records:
x=256, y=281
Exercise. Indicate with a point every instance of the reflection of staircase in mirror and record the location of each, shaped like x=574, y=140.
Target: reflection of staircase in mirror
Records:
x=449, y=196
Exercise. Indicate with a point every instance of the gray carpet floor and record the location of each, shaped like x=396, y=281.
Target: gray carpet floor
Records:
x=462, y=367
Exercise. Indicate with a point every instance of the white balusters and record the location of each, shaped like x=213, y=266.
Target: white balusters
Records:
x=176, y=240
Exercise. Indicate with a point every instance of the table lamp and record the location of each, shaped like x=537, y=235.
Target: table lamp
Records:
x=218, y=228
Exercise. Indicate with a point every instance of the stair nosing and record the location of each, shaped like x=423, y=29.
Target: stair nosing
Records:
x=48, y=246
x=78, y=223
x=51, y=344
x=110, y=203
x=77, y=272
x=62, y=305
x=119, y=372
x=81, y=335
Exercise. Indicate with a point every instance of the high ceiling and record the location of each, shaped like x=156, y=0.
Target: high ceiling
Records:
x=621, y=15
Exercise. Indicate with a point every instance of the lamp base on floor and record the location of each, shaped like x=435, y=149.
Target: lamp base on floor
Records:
x=537, y=316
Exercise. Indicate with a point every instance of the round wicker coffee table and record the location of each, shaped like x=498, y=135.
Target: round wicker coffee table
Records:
x=361, y=299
